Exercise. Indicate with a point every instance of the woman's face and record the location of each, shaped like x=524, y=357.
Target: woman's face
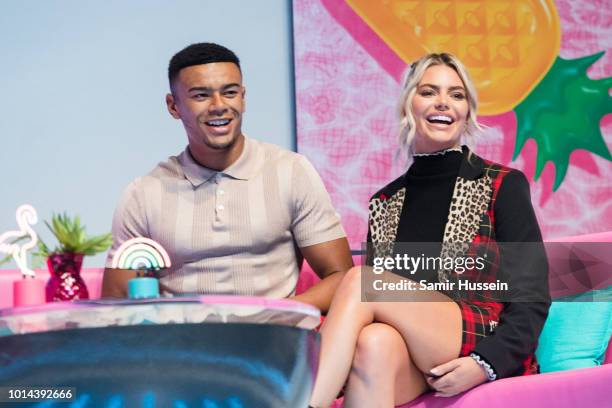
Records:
x=440, y=110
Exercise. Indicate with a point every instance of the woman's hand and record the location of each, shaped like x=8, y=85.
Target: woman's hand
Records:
x=456, y=376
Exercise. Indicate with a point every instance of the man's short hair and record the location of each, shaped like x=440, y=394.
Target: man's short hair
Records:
x=198, y=54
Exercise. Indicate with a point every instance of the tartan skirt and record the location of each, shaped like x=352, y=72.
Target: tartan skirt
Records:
x=479, y=320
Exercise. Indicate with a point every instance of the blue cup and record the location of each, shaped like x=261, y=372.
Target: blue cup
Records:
x=143, y=288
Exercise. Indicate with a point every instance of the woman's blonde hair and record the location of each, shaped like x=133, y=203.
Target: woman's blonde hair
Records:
x=411, y=80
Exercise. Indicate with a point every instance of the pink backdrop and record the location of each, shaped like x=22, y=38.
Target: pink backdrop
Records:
x=347, y=89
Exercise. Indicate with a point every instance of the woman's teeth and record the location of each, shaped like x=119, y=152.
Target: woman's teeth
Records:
x=440, y=119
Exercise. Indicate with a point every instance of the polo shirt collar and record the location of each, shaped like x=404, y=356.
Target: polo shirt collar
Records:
x=197, y=174
x=243, y=168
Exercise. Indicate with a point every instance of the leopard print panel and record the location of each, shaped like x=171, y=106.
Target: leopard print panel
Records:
x=384, y=220
x=469, y=203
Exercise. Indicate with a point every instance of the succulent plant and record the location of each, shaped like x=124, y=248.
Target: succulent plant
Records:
x=72, y=237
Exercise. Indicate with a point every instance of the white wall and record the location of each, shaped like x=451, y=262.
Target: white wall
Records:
x=82, y=87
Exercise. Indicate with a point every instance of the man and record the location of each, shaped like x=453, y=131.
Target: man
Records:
x=236, y=215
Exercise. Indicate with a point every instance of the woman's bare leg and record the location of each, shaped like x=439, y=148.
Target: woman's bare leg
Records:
x=382, y=374
x=431, y=330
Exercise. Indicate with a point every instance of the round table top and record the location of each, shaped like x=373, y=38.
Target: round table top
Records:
x=184, y=309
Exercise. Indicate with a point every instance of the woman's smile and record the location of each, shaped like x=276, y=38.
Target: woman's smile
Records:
x=440, y=110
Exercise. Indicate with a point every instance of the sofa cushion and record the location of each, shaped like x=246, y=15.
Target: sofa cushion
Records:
x=577, y=331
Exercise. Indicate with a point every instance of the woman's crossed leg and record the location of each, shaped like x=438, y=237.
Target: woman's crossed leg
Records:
x=429, y=324
x=382, y=375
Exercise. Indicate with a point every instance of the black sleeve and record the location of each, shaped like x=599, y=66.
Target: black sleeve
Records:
x=521, y=321
x=369, y=248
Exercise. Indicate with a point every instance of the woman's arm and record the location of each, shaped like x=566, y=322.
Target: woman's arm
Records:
x=521, y=322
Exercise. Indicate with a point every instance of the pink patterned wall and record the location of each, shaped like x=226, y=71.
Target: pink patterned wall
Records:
x=347, y=84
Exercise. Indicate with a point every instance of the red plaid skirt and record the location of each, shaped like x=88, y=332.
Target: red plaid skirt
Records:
x=479, y=321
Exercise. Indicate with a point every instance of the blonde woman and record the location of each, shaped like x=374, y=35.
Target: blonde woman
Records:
x=388, y=353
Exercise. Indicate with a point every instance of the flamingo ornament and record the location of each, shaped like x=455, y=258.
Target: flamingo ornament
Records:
x=26, y=217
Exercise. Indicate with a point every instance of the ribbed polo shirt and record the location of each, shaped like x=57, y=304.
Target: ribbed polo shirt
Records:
x=234, y=231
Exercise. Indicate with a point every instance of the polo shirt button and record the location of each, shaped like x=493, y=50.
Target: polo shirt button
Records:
x=220, y=207
x=221, y=191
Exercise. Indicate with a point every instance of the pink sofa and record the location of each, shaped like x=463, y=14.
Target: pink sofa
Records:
x=587, y=387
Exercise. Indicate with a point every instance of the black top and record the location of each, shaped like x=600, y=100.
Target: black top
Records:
x=429, y=186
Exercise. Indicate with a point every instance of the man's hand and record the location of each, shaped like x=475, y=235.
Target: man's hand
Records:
x=115, y=282
x=456, y=376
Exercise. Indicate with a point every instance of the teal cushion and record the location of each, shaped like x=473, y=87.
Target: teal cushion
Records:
x=577, y=331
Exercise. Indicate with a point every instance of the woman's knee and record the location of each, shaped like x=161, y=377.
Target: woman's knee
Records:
x=380, y=348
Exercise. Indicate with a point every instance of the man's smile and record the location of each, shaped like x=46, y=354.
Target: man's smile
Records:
x=218, y=127
x=218, y=122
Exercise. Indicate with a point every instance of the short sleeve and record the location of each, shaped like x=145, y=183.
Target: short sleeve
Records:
x=129, y=219
x=314, y=218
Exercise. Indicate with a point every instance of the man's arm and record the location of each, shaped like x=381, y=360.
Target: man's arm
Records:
x=114, y=283
x=330, y=260
x=129, y=221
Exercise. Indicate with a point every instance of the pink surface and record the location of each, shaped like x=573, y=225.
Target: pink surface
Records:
x=287, y=304
x=28, y=292
x=91, y=276
x=346, y=95
x=588, y=387
x=605, y=236
x=93, y=280
x=366, y=37
x=230, y=301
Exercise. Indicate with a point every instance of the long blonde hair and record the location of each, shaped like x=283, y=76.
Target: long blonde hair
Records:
x=411, y=80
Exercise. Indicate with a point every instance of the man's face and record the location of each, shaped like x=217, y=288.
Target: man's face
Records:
x=209, y=100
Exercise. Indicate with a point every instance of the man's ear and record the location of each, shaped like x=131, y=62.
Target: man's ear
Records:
x=171, y=104
x=243, y=99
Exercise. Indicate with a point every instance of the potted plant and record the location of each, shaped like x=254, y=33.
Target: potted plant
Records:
x=65, y=260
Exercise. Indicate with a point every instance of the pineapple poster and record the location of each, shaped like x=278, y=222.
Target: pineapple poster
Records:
x=542, y=69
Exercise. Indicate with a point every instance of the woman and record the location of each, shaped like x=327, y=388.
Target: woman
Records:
x=388, y=353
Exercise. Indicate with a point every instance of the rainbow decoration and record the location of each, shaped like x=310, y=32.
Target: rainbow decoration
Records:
x=141, y=253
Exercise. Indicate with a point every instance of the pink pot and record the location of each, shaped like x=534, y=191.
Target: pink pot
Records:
x=65, y=282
